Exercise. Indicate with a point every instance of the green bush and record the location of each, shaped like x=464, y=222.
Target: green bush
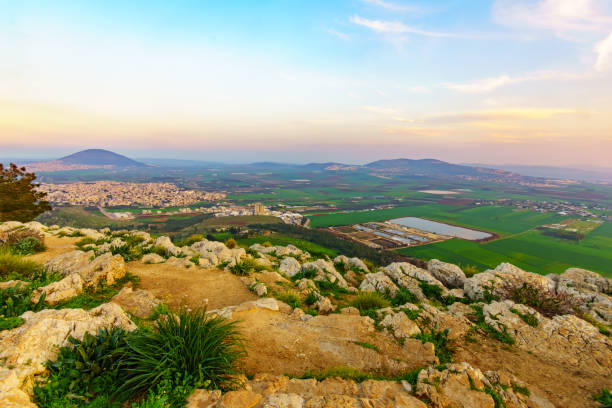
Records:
x=604, y=398
x=205, y=349
x=404, y=296
x=469, y=270
x=28, y=245
x=368, y=301
x=14, y=302
x=189, y=241
x=246, y=267
x=85, y=373
x=440, y=341
x=306, y=273
x=327, y=288
x=231, y=243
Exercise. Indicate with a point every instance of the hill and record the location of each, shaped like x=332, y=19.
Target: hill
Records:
x=86, y=159
x=100, y=157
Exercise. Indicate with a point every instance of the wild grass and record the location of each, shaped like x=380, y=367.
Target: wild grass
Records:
x=369, y=301
x=403, y=296
x=604, y=398
x=547, y=302
x=290, y=297
x=204, y=348
x=246, y=267
x=529, y=318
x=478, y=318
x=349, y=373
x=366, y=345
x=13, y=266
x=94, y=297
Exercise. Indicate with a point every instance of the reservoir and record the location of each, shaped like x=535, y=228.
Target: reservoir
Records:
x=441, y=228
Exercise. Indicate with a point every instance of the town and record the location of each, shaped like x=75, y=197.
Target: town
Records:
x=114, y=193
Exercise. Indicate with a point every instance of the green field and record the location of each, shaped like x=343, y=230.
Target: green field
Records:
x=531, y=251
x=500, y=220
x=279, y=239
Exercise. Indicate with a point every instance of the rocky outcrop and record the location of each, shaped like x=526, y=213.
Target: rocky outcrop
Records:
x=289, y=266
x=349, y=263
x=463, y=386
x=378, y=282
x=274, y=391
x=450, y=275
x=26, y=348
x=217, y=252
x=106, y=268
x=166, y=243
x=69, y=287
x=565, y=339
x=280, y=251
x=141, y=303
x=152, y=259
x=494, y=281
x=325, y=271
x=400, y=325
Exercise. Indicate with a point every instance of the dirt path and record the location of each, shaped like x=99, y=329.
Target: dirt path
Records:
x=190, y=287
x=55, y=246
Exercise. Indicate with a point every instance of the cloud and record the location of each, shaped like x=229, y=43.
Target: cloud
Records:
x=490, y=84
x=561, y=16
x=341, y=35
x=396, y=27
x=487, y=116
x=395, y=7
x=382, y=110
x=604, y=54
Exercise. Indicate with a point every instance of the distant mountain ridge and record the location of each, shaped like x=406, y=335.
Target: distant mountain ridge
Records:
x=100, y=157
x=86, y=159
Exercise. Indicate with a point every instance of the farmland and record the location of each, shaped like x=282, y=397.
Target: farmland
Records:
x=500, y=220
x=530, y=250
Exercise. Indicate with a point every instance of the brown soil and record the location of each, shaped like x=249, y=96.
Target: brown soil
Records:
x=55, y=246
x=563, y=386
x=278, y=343
x=190, y=287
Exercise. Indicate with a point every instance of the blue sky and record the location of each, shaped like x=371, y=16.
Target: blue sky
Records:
x=500, y=81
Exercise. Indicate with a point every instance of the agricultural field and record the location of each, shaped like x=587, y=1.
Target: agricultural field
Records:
x=532, y=251
x=499, y=220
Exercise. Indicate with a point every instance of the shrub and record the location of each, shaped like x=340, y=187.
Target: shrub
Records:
x=245, y=267
x=189, y=241
x=367, y=301
x=440, y=341
x=308, y=272
x=85, y=372
x=404, y=296
x=14, y=302
x=231, y=243
x=311, y=299
x=469, y=270
x=8, y=323
x=346, y=373
x=604, y=398
x=201, y=349
x=23, y=241
x=290, y=297
x=327, y=288
x=547, y=302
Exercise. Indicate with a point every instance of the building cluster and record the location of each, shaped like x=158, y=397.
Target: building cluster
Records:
x=113, y=193
x=564, y=208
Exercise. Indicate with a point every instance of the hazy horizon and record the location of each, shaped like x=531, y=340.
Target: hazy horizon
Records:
x=520, y=82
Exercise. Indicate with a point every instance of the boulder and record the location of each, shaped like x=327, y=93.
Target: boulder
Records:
x=167, y=244
x=260, y=288
x=351, y=263
x=449, y=274
x=141, y=303
x=289, y=266
x=400, y=325
x=215, y=252
x=106, y=268
x=494, y=281
x=152, y=259
x=69, y=287
x=378, y=282
x=325, y=271
x=91, y=233
x=26, y=348
x=323, y=305
x=179, y=262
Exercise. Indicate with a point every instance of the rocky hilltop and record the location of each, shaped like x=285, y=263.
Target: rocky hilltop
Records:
x=324, y=332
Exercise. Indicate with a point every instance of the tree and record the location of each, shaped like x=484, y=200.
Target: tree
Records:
x=19, y=199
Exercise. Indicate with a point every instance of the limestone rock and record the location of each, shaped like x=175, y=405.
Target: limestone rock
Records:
x=260, y=288
x=565, y=339
x=325, y=271
x=167, y=244
x=13, y=283
x=378, y=282
x=180, y=262
x=215, y=252
x=106, y=268
x=203, y=398
x=139, y=302
x=26, y=348
x=351, y=263
x=289, y=266
x=449, y=274
x=400, y=325
x=69, y=287
x=153, y=259
x=323, y=304
x=239, y=399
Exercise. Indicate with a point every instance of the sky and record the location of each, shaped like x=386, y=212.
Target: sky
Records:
x=499, y=81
